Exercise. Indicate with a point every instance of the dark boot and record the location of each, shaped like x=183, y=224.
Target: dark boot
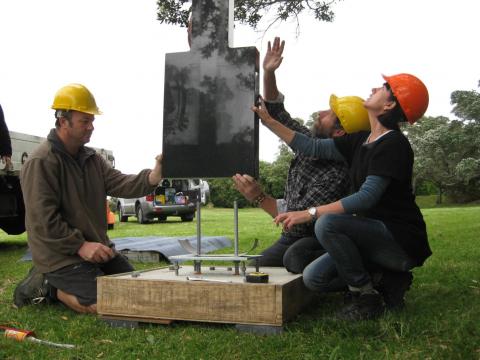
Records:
x=393, y=286
x=34, y=289
x=363, y=307
x=350, y=296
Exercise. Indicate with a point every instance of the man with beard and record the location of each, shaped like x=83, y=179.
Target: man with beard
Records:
x=310, y=181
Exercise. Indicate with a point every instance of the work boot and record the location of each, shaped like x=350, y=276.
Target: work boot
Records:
x=365, y=306
x=34, y=289
x=393, y=286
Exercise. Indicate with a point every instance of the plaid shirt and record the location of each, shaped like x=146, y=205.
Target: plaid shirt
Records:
x=311, y=182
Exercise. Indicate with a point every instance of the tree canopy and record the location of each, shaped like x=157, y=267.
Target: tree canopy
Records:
x=466, y=104
x=250, y=12
x=447, y=152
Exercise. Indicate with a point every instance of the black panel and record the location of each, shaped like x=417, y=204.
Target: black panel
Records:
x=208, y=127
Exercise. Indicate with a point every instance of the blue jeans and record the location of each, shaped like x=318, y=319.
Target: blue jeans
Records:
x=352, y=243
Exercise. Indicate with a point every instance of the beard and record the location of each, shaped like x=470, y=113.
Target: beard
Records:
x=319, y=133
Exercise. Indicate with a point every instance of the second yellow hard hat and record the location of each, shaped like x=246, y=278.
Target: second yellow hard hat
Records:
x=351, y=113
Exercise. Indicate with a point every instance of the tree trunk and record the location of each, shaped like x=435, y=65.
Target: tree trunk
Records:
x=439, y=196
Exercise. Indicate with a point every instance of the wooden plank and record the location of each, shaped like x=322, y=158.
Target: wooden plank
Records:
x=159, y=294
x=295, y=297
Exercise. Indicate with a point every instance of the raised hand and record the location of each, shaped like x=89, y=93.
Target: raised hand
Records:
x=273, y=57
x=247, y=186
x=262, y=112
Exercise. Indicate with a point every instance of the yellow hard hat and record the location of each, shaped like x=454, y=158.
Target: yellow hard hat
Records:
x=350, y=111
x=75, y=97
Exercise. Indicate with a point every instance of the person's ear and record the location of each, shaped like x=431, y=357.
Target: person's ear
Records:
x=338, y=132
x=63, y=121
x=389, y=105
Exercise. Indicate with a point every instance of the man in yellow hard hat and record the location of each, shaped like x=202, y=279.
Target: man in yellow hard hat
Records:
x=310, y=181
x=64, y=185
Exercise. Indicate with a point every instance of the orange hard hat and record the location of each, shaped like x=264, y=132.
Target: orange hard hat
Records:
x=411, y=93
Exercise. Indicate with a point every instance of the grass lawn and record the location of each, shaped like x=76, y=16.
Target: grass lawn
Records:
x=441, y=319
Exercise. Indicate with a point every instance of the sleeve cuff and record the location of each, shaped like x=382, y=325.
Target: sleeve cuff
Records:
x=279, y=100
x=281, y=206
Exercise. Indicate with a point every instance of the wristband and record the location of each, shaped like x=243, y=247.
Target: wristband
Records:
x=259, y=199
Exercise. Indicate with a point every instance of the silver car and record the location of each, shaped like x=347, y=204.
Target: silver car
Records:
x=173, y=197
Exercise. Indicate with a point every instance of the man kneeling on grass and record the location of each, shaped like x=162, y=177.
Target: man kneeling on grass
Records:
x=65, y=185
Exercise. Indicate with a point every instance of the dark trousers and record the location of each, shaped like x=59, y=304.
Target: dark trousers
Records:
x=294, y=253
x=81, y=279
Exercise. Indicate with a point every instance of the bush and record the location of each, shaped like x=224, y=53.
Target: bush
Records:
x=425, y=187
x=223, y=193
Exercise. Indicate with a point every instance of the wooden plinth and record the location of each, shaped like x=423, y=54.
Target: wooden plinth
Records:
x=159, y=295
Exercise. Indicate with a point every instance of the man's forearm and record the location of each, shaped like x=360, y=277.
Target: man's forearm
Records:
x=279, y=129
x=269, y=205
x=270, y=90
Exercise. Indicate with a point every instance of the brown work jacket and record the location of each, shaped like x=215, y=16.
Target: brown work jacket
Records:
x=65, y=201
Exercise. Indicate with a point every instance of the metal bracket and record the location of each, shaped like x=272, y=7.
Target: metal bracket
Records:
x=187, y=246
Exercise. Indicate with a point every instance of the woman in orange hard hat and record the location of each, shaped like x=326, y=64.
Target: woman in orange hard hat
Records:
x=378, y=225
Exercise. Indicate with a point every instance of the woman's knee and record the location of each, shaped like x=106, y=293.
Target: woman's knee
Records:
x=327, y=225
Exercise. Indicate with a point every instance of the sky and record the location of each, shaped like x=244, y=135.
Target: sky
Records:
x=117, y=49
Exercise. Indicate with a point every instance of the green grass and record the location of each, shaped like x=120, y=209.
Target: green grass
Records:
x=430, y=201
x=426, y=201
x=441, y=320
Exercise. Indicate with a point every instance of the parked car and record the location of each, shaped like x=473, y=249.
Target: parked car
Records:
x=173, y=197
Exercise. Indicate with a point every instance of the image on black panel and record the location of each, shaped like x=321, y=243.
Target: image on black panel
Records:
x=208, y=128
